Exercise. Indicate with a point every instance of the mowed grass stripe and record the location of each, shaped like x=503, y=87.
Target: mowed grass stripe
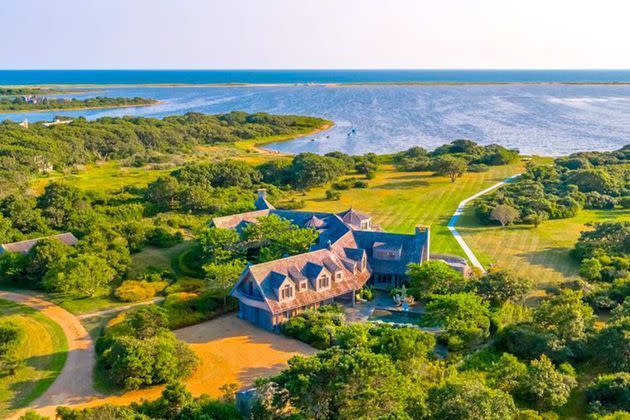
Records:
x=43, y=353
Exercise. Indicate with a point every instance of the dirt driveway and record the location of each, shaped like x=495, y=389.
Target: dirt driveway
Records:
x=230, y=350
x=74, y=383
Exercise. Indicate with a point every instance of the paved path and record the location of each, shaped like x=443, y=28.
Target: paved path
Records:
x=460, y=210
x=119, y=308
x=74, y=382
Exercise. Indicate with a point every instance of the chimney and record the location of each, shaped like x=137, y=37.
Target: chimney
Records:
x=423, y=231
x=262, y=193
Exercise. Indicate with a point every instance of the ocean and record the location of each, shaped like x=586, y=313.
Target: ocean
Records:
x=545, y=118
x=31, y=77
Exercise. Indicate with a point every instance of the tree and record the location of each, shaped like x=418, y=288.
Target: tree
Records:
x=147, y=321
x=404, y=343
x=311, y=170
x=545, y=386
x=469, y=400
x=277, y=237
x=499, y=287
x=450, y=166
x=504, y=214
x=11, y=335
x=82, y=275
x=507, y=373
x=610, y=237
x=164, y=193
x=219, y=245
x=12, y=266
x=565, y=316
x=434, y=277
x=338, y=383
x=609, y=393
x=611, y=346
x=464, y=317
x=222, y=277
x=59, y=202
x=535, y=218
x=45, y=252
x=133, y=363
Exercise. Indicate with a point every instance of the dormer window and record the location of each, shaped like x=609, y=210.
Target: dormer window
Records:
x=338, y=275
x=287, y=292
x=303, y=285
x=324, y=281
x=365, y=224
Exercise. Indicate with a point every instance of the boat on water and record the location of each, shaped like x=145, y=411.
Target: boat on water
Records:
x=352, y=132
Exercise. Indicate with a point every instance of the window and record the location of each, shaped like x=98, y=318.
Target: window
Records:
x=286, y=292
x=324, y=281
x=338, y=275
x=303, y=285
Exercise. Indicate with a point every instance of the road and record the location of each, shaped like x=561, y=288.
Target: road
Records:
x=460, y=210
x=74, y=382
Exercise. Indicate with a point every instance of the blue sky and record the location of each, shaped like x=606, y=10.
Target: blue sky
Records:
x=43, y=34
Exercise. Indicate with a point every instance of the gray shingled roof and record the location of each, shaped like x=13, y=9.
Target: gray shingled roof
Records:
x=339, y=247
x=24, y=247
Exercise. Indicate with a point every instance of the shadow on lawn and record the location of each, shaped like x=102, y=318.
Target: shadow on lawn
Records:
x=549, y=258
x=415, y=183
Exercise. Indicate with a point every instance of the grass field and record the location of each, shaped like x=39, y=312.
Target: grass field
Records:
x=542, y=253
x=104, y=176
x=158, y=259
x=398, y=201
x=43, y=352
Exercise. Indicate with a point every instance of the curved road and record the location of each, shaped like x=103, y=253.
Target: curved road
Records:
x=74, y=383
x=460, y=210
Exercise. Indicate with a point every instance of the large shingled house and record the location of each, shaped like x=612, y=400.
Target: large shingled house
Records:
x=350, y=252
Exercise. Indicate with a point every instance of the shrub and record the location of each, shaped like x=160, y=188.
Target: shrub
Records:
x=164, y=238
x=317, y=327
x=11, y=335
x=469, y=400
x=292, y=204
x=333, y=195
x=133, y=363
x=478, y=167
x=366, y=293
x=137, y=290
x=609, y=393
x=546, y=386
x=360, y=184
x=186, y=285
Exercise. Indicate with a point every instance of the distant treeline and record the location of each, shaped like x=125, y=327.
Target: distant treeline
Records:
x=24, y=152
x=43, y=103
x=591, y=180
x=27, y=91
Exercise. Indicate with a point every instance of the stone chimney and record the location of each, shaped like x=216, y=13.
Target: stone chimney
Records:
x=262, y=193
x=422, y=232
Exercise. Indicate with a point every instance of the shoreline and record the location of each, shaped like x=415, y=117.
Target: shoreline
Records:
x=256, y=145
x=32, y=111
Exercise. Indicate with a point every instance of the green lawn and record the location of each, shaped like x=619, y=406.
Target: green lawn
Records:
x=157, y=259
x=542, y=253
x=398, y=201
x=43, y=352
x=105, y=176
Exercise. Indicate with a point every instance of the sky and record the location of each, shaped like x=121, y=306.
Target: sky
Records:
x=314, y=34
